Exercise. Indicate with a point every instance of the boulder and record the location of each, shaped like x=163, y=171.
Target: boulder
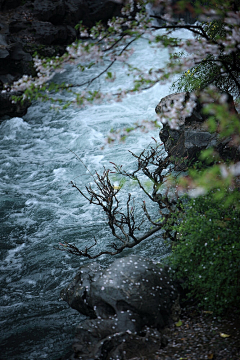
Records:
x=123, y=301
x=15, y=63
x=185, y=143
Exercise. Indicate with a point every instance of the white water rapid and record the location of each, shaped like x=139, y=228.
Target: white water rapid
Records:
x=39, y=208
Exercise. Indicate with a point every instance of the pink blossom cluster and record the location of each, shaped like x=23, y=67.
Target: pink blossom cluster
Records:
x=175, y=112
x=81, y=52
x=128, y=8
x=232, y=40
x=44, y=73
x=230, y=170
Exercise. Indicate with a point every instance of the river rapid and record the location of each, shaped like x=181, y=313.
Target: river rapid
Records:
x=39, y=208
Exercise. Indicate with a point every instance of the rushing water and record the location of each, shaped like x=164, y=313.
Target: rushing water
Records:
x=39, y=208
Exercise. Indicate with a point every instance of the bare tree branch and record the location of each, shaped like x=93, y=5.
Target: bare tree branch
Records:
x=124, y=224
x=73, y=249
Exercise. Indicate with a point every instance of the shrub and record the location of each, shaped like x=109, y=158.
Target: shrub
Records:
x=207, y=253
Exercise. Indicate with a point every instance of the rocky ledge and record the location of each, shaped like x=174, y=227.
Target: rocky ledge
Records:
x=128, y=305
x=193, y=135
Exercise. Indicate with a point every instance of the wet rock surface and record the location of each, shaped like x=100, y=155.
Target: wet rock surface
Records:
x=129, y=304
x=193, y=134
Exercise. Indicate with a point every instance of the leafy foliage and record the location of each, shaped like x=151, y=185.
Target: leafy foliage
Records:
x=210, y=70
x=207, y=253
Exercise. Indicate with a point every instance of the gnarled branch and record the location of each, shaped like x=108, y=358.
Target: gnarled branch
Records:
x=124, y=224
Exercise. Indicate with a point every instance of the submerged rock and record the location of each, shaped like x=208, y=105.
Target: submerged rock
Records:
x=124, y=301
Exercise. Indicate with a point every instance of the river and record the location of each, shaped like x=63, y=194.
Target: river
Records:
x=39, y=208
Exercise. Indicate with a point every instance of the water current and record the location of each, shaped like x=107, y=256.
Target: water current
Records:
x=39, y=208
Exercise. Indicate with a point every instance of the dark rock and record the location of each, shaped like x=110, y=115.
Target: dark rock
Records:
x=131, y=294
x=9, y=4
x=132, y=283
x=3, y=40
x=9, y=109
x=71, y=34
x=120, y=345
x=49, y=10
x=47, y=34
x=16, y=26
x=127, y=345
x=17, y=53
x=6, y=78
x=76, y=294
x=76, y=10
x=192, y=135
x=3, y=53
x=101, y=10
x=16, y=63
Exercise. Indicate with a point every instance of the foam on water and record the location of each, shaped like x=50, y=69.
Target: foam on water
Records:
x=39, y=208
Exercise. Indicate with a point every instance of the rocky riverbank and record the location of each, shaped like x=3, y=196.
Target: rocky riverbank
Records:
x=43, y=26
